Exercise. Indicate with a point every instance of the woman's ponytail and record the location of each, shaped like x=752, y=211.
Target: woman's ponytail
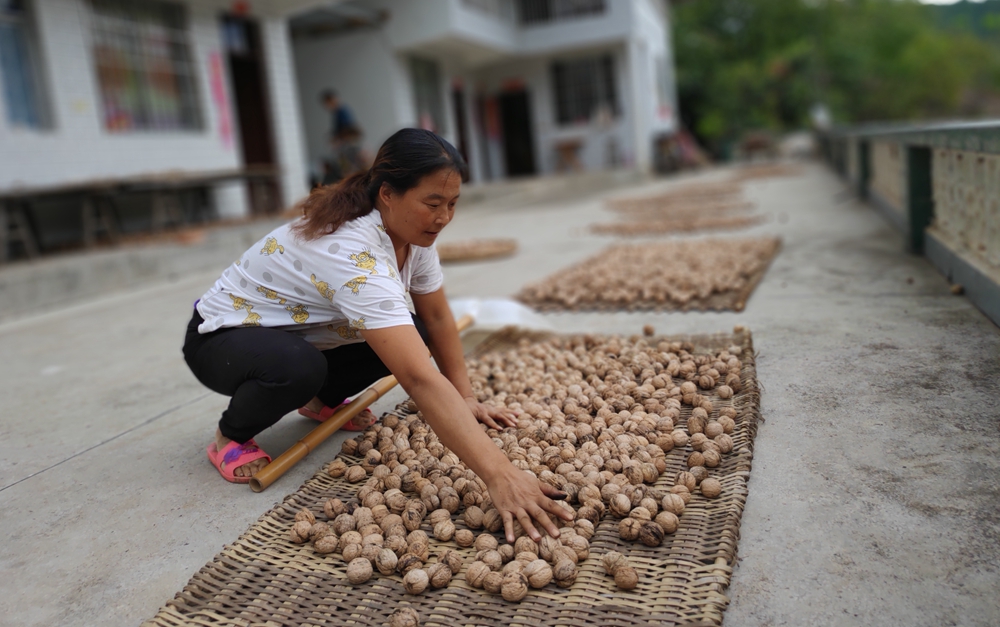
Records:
x=329, y=206
x=402, y=161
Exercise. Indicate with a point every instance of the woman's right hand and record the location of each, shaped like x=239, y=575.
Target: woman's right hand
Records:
x=520, y=495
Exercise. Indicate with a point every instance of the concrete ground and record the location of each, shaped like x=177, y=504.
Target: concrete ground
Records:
x=874, y=493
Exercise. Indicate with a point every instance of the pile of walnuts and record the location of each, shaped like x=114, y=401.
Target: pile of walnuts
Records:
x=663, y=275
x=598, y=417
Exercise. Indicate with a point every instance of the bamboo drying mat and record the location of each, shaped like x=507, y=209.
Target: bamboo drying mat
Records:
x=476, y=249
x=263, y=579
x=734, y=300
x=660, y=226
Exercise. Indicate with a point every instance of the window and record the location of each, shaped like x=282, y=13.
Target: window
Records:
x=19, y=67
x=585, y=89
x=144, y=68
x=427, y=90
x=541, y=11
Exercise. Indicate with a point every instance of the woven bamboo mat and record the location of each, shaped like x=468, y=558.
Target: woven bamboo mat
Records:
x=673, y=265
x=263, y=579
x=476, y=249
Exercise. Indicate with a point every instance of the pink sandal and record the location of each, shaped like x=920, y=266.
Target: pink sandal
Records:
x=235, y=455
x=324, y=414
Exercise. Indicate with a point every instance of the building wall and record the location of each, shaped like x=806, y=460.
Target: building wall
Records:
x=967, y=201
x=370, y=77
x=77, y=147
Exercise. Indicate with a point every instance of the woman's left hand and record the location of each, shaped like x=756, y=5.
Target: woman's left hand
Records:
x=492, y=417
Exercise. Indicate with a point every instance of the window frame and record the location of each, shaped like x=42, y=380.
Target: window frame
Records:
x=605, y=88
x=33, y=69
x=136, y=47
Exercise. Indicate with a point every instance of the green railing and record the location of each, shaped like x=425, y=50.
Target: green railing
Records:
x=939, y=185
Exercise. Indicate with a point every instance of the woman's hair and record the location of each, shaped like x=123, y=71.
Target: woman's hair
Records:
x=402, y=161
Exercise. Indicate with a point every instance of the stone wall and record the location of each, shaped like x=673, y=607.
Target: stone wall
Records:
x=967, y=201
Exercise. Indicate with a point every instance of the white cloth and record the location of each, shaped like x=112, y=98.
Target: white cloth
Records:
x=324, y=290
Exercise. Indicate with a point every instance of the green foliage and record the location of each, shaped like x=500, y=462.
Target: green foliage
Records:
x=763, y=64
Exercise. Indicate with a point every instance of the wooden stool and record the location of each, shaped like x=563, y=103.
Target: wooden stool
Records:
x=15, y=227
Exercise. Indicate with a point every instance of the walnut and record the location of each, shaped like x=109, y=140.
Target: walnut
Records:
x=475, y=574
x=547, y=547
x=514, y=587
x=725, y=442
x=680, y=438
x=651, y=534
x=524, y=544
x=356, y=474
x=492, y=520
x=397, y=544
x=491, y=558
x=728, y=424
x=712, y=458
x=412, y=517
x=333, y=508
x=584, y=529
x=474, y=517
x=493, y=582
x=687, y=480
x=444, y=530
x=408, y=562
x=564, y=573
x=299, y=533
x=326, y=544
x=344, y=523
x=724, y=391
x=306, y=515
x=370, y=552
x=695, y=459
x=337, y=468
x=506, y=552
x=486, y=542
x=711, y=488
x=439, y=575
x=420, y=548
x=621, y=505
x=683, y=492
x=714, y=429
x=667, y=521
x=514, y=566
x=359, y=570
x=564, y=552
x=673, y=503
x=628, y=529
x=352, y=551
x=464, y=538
x=578, y=544
x=418, y=535
x=700, y=473
x=626, y=578
x=453, y=559
x=416, y=581
x=612, y=561
x=318, y=530
x=649, y=503
x=351, y=537
x=404, y=617
x=641, y=514
x=386, y=561
x=390, y=521
x=589, y=512
x=697, y=441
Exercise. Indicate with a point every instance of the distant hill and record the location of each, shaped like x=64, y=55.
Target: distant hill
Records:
x=981, y=18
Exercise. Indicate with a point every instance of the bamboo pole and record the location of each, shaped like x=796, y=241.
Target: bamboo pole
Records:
x=283, y=463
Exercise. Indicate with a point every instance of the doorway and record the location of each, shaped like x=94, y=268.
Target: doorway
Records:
x=458, y=104
x=518, y=143
x=241, y=37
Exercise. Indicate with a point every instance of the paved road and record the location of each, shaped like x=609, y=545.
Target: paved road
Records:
x=874, y=493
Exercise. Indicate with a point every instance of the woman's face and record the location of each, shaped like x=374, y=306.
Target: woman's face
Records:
x=417, y=216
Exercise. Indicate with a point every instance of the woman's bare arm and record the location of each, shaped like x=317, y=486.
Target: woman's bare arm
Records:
x=515, y=493
x=446, y=347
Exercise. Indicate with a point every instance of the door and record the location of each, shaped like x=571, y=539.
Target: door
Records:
x=458, y=104
x=246, y=70
x=518, y=144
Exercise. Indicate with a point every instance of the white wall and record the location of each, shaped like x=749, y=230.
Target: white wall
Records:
x=371, y=79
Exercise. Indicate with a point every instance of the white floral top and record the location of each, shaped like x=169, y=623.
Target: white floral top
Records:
x=324, y=290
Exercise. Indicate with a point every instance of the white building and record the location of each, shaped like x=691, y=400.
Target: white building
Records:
x=102, y=89
x=92, y=90
x=521, y=86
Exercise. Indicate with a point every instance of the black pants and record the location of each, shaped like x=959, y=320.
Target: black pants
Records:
x=269, y=372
